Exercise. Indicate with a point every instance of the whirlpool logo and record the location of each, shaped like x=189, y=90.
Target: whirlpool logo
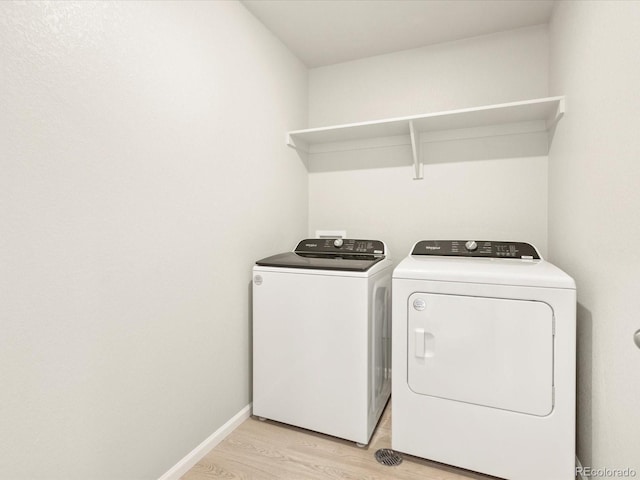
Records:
x=432, y=247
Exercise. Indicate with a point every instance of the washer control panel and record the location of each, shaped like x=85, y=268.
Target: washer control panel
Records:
x=340, y=245
x=476, y=248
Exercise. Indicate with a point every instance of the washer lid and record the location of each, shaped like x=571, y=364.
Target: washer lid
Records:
x=346, y=262
x=346, y=254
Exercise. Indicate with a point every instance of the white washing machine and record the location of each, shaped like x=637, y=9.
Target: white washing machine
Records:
x=484, y=367
x=321, y=336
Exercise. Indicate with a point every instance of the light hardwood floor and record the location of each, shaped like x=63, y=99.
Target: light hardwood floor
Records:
x=269, y=450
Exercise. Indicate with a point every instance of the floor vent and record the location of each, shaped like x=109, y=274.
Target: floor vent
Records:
x=388, y=457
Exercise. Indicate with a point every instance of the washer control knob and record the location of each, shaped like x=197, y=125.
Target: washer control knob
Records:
x=471, y=245
x=338, y=242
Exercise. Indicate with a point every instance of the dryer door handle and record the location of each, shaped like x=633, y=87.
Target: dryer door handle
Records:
x=419, y=339
x=424, y=343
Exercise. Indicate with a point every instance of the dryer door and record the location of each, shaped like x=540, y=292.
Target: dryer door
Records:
x=492, y=352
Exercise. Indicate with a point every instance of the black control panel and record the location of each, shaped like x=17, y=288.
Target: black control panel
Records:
x=476, y=248
x=340, y=245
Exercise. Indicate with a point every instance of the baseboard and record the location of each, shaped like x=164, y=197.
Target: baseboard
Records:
x=579, y=470
x=193, y=457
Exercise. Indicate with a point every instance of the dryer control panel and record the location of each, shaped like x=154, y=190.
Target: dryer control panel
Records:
x=476, y=248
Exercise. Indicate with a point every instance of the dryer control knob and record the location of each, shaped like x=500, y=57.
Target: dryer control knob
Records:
x=471, y=245
x=337, y=242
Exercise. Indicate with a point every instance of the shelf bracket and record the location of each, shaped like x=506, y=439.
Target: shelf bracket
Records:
x=302, y=149
x=298, y=144
x=553, y=122
x=415, y=150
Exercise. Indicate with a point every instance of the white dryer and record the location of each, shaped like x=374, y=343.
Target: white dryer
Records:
x=484, y=338
x=322, y=336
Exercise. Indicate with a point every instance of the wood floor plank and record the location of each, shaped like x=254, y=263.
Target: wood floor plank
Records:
x=269, y=450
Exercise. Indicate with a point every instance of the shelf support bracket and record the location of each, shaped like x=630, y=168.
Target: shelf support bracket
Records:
x=301, y=148
x=553, y=122
x=415, y=150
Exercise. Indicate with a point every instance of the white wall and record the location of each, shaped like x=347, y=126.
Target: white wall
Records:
x=143, y=170
x=594, y=202
x=479, y=192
